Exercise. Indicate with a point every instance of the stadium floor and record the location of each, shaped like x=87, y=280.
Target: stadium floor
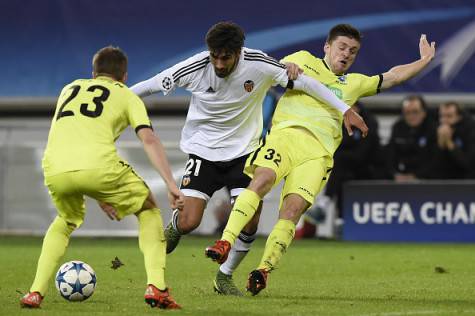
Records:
x=314, y=278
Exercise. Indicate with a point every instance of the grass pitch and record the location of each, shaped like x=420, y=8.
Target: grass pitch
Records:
x=314, y=278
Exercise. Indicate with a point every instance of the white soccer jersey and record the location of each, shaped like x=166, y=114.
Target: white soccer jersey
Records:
x=224, y=119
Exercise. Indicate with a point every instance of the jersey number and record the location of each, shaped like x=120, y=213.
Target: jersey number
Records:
x=189, y=165
x=270, y=156
x=84, y=109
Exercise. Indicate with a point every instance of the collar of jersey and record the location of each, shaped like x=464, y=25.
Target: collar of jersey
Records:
x=326, y=66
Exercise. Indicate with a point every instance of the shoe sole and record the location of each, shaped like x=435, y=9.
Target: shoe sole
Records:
x=254, y=286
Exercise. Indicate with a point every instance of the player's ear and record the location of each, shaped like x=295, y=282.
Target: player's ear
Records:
x=326, y=47
x=124, y=78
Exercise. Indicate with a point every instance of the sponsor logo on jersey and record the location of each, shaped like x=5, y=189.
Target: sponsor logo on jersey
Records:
x=248, y=85
x=186, y=180
x=306, y=191
x=167, y=83
x=210, y=90
x=336, y=91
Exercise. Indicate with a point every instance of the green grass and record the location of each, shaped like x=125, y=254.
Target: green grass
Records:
x=314, y=278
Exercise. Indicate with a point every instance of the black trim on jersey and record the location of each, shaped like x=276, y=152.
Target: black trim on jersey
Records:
x=262, y=57
x=254, y=155
x=325, y=64
x=378, y=90
x=184, y=68
x=178, y=74
x=290, y=84
x=267, y=61
x=138, y=128
x=191, y=70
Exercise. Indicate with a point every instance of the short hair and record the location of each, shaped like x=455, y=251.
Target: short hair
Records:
x=344, y=30
x=110, y=61
x=225, y=36
x=417, y=97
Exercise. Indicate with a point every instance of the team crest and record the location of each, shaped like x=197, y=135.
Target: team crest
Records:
x=342, y=79
x=167, y=83
x=248, y=85
x=186, y=180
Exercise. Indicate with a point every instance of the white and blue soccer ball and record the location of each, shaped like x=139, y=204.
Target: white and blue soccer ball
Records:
x=75, y=281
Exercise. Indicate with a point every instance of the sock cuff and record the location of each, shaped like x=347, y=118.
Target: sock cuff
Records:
x=246, y=238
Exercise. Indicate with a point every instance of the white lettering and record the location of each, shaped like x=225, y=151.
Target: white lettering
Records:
x=377, y=212
x=406, y=214
x=472, y=213
x=361, y=216
x=444, y=214
x=460, y=214
x=392, y=210
x=425, y=208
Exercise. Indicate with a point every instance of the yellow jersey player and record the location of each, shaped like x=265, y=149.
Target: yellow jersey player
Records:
x=81, y=160
x=299, y=149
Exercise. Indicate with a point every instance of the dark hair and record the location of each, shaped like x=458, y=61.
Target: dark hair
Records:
x=458, y=108
x=417, y=97
x=110, y=61
x=225, y=37
x=344, y=30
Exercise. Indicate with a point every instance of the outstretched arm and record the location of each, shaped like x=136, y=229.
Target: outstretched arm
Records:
x=401, y=73
x=156, y=154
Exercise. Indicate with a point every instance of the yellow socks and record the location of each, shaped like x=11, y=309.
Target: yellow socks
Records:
x=152, y=243
x=277, y=244
x=244, y=208
x=55, y=243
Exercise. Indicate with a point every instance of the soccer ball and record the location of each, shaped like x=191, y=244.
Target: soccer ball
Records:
x=75, y=281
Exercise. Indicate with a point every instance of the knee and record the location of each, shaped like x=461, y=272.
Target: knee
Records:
x=187, y=225
x=263, y=181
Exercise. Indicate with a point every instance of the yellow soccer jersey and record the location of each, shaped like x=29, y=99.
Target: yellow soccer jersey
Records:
x=296, y=108
x=90, y=115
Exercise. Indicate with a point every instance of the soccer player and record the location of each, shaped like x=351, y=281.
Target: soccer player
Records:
x=224, y=124
x=81, y=159
x=299, y=149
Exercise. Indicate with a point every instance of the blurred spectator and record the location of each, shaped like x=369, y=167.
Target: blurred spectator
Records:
x=455, y=150
x=413, y=140
x=357, y=158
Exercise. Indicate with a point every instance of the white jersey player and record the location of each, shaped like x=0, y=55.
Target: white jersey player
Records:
x=228, y=84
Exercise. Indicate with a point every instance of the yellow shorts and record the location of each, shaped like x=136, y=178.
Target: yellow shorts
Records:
x=296, y=156
x=118, y=186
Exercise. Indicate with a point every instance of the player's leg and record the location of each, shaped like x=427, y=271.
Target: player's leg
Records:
x=70, y=207
x=122, y=188
x=302, y=185
x=266, y=166
x=200, y=180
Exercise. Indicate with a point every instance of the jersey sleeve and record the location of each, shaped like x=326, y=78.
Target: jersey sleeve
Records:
x=370, y=85
x=137, y=113
x=269, y=66
x=183, y=74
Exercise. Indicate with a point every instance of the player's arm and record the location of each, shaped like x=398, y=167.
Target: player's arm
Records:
x=179, y=75
x=156, y=154
x=401, y=73
x=318, y=91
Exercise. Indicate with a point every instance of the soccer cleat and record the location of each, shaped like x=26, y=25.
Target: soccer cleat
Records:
x=158, y=298
x=257, y=281
x=31, y=300
x=224, y=284
x=172, y=236
x=219, y=251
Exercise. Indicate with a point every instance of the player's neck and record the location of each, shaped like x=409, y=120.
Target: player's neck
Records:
x=327, y=64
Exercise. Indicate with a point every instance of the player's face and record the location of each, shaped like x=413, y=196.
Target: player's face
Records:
x=341, y=53
x=413, y=112
x=224, y=62
x=448, y=115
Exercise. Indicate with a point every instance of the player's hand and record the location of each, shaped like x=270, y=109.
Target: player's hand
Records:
x=176, y=198
x=427, y=51
x=293, y=70
x=350, y=119
x=110, y=211
x=444, y=135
